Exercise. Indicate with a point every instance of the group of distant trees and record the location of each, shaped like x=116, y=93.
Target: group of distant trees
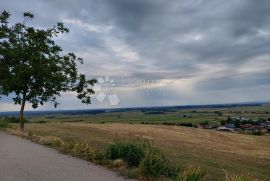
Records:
x=34, y=69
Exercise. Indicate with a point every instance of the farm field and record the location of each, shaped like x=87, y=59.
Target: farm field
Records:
x=166, y=115
x=217, y=152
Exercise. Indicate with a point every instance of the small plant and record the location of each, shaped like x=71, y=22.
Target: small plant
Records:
x=239, y=177
x=67, y=147
x=155, y=164
x=192, y=174
x=56, y=143
x=3, y=124
x=131, y=153
x=41, y=122
x=257, y=133
x=14, y=120
x=100, y=158
x=30, y=133
x=118, y=163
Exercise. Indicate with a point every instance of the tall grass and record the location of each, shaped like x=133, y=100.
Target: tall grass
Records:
x=192, y=174
x=132, y=153
x=156, y=164
x=141, y=153
x=4, y=123
x=240, y=177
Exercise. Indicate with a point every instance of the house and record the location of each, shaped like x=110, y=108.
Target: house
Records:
x=223, y=128
x=231, y=126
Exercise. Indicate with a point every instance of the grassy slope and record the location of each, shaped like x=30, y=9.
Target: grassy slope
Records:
x=216, y=151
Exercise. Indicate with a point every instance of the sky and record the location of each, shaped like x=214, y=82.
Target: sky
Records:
x=160, y=52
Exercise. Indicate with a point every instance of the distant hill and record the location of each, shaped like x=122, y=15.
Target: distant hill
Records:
x=142, y=109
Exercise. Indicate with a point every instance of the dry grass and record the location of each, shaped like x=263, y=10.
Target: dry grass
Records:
x=217, y=152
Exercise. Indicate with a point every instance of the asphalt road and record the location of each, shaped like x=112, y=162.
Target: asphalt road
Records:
x=22, y=160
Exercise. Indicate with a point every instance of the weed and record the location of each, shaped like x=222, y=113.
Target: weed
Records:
x=155, y=164
x=192, y=174
x=131, y=153
x=30, y=133
x=3, y=124
x=239, y=177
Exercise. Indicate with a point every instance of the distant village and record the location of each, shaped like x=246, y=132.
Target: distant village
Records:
x=240, y=124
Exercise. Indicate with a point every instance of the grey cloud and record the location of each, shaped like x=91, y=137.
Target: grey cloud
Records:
x=169, y=39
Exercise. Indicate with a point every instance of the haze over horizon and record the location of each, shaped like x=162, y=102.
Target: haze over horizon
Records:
x=160, y=53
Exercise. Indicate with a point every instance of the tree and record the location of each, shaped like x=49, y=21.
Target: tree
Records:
x=34, y=69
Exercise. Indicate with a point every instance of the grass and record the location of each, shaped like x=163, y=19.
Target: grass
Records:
x=217, y=152
x=240, y=177
x=213, y=116
x=4, y=124
x=192, y=174
x=132, y=153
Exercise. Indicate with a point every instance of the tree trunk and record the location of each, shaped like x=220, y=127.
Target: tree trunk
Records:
x=22, y=113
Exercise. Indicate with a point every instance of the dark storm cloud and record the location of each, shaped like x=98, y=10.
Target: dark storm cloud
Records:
x=214, y=44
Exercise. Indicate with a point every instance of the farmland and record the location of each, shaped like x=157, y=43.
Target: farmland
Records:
x=217, y=152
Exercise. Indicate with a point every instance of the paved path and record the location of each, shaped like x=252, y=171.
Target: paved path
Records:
x=22, y=160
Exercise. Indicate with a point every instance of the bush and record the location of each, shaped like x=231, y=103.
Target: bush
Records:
x=185, y=124
x=78, y=149
x=30, y=133
x=155, y=164
x=192, y=174
x=257, y=133
x=14, y=120
x=67, y=147
x=41, y=121
x=239, y=177
x=3, y=124
x=131, y=153
x=206, y=122
x=98, y=156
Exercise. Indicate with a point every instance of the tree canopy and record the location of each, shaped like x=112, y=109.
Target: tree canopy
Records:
x=34, y=69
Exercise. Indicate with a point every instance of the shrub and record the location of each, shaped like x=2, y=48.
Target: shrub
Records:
x=155, y=164
x=239, y=177
x=3, y=124
x=257, y=133
x=56, y=143
x=192, y=174
x=30, y=133
x=14, y=120
x=41, y=121
x=100, y=158
x=185, y=124
x=67, y=147
x=206, y=122
x=168, y=123
x=82, y=150
x=131, y=153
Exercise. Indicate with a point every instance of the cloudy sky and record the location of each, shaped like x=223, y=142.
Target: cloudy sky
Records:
x=160, y=52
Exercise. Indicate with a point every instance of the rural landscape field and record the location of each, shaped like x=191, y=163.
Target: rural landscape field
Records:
x=218, y=152
x=125, y=90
